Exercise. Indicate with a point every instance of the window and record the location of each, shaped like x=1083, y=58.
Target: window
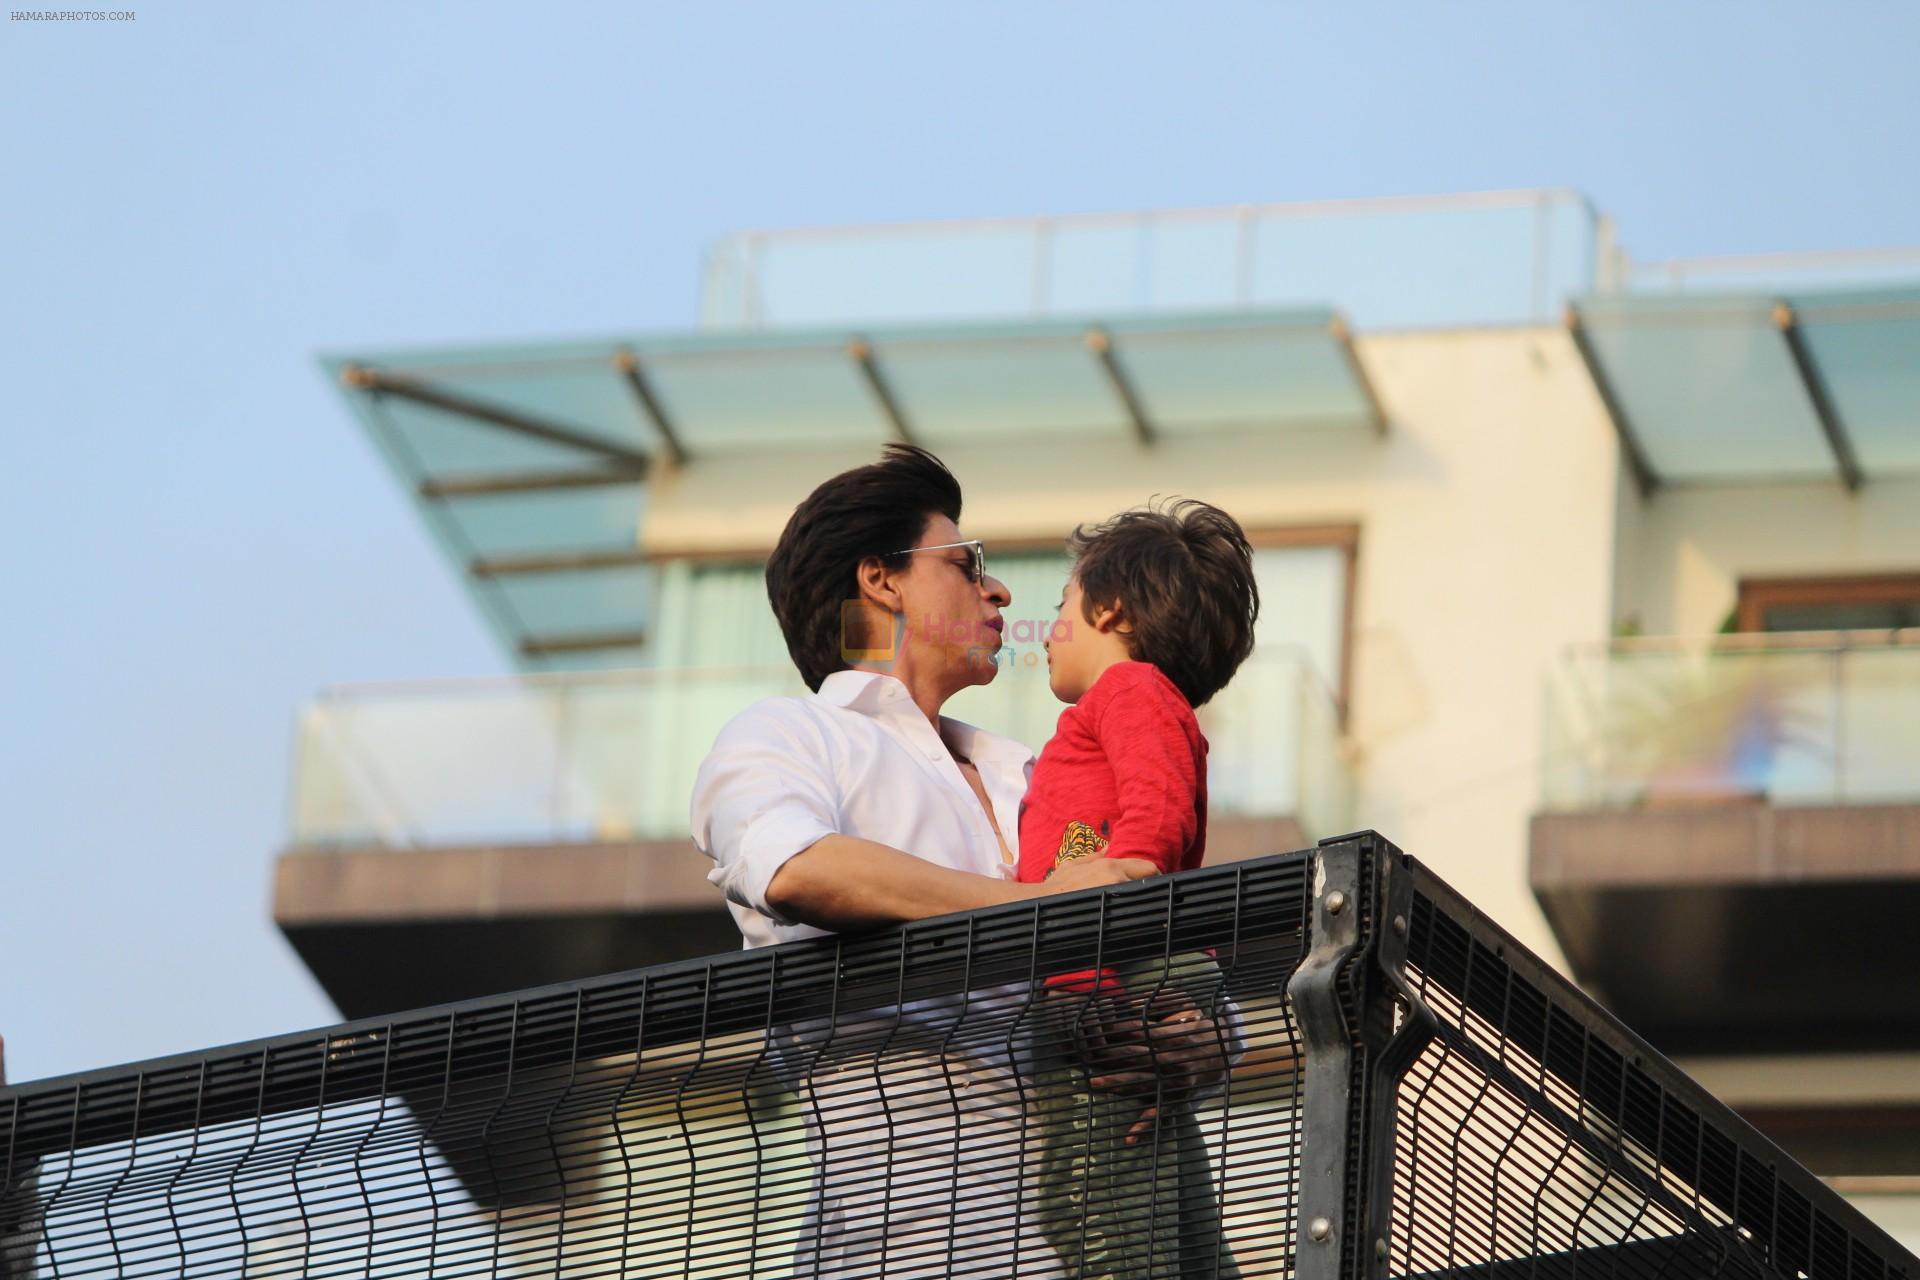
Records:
x=1877, y=603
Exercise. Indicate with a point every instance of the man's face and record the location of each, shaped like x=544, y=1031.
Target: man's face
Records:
x=952, y=623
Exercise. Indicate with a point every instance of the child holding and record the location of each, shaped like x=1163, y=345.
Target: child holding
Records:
x=1155, y=619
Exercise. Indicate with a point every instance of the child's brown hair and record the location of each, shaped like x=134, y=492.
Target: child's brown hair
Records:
x=1182, y=577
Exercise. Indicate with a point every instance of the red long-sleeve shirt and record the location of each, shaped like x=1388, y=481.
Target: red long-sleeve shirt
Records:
x=1124, y=776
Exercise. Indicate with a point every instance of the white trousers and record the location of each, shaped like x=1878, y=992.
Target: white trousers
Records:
x=923, y=1167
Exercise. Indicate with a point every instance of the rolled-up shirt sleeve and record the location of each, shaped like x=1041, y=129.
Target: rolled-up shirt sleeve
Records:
x=1230, y=1023
x=765, y=793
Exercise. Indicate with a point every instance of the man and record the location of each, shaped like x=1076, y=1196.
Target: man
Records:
x=864, y=806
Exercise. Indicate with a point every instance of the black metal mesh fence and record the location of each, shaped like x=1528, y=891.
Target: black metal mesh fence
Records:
x=953, y=1099
x=1536, y=1136
x=926, y=1090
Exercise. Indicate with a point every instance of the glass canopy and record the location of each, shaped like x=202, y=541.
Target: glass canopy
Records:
x=1760, y=386
x=529, y=462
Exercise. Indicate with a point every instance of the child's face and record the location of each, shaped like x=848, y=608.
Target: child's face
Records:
x=1079, y=650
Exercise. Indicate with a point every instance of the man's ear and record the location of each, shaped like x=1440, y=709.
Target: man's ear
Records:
x=868, y=622
x=875, y=581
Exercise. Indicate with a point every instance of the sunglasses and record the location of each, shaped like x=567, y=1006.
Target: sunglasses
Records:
x=976, y=556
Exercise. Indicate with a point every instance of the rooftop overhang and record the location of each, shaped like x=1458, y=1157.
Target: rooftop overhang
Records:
x=1733, y=927
x=1732, y=388
x=530, y=462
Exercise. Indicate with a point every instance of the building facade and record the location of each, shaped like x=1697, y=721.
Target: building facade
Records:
x=1595, y=585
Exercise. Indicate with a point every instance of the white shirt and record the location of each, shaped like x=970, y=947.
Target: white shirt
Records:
x=858, y=758
x=916, y=1153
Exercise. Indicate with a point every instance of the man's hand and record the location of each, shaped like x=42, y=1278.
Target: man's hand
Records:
x=1091, y=873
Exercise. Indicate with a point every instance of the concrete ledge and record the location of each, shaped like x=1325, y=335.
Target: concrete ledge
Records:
x=1724, y=844
x=486, y=881
x=477, y=882
x=1741, y=927
x=385, y=930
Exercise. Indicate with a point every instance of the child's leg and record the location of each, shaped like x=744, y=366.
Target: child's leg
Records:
x=1117, y=1210
x=1156, y=1194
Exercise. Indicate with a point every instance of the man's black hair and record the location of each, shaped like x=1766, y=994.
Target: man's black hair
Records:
x=875, y=510
x=1182, y=576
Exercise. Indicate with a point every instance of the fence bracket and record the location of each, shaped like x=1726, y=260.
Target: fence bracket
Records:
x=1320, y=998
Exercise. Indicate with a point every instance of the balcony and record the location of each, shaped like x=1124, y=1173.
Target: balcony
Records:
x=1418, y=1097
x=457, y=838
x=1728, y=848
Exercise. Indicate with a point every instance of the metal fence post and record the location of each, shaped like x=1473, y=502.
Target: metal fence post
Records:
x=1345, y=995
x=1394, y=1044
x=1325, y=1004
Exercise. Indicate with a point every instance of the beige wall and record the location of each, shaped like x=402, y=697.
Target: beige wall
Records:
x=1682, y=564
x=1486, y=546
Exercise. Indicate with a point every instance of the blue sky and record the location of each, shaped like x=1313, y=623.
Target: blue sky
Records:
x=193, y=536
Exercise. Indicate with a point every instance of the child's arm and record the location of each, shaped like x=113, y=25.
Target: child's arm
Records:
x=1142, y=729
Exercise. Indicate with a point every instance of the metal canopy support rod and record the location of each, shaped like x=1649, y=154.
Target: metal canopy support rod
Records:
x=860, y=351
x=373, y=380
x=1100, y=342
x=1823, y=408
x=510, y=482
x=559, y=562
x=551, y=646
x=1644, y=478
x=642, y=387
x=1343, y=337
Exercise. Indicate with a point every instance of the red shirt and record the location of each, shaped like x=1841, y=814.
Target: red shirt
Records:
x=1124, y=776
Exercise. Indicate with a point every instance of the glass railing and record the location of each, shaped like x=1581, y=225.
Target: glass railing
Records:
x=606, y=756
x=1827, y=718
x=1774, y=272
x=1496, y=257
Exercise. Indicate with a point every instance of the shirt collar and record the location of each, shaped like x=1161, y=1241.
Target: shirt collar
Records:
x=863, y=691
x=868, y=692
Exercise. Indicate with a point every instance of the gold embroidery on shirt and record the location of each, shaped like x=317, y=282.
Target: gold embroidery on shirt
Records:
x=1079, y=841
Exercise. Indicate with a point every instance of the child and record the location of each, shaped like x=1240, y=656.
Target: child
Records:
x=1155, y=619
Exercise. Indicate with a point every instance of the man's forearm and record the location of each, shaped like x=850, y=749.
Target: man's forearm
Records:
x=843, y=882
